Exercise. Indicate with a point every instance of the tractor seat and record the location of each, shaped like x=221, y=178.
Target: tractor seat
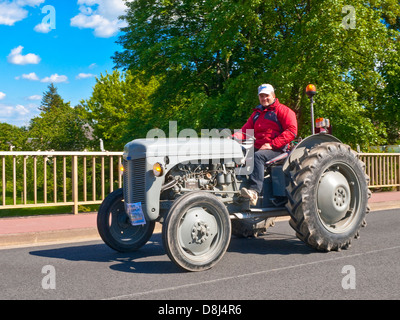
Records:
x=277, y=159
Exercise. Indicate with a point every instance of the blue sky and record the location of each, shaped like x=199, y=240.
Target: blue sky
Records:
x=67, y=42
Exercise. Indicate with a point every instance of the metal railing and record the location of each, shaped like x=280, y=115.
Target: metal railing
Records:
x=383, y=169
x=44, y=179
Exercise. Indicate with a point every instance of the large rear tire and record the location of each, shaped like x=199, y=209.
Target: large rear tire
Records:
x=115, y=228
x=197, y=231
x=328, y=196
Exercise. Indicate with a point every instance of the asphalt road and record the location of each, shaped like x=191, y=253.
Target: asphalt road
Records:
x=276, y=266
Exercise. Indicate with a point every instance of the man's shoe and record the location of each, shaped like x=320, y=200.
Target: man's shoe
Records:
x=250, y=194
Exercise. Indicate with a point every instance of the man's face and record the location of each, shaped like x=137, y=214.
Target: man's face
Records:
x=266, y=99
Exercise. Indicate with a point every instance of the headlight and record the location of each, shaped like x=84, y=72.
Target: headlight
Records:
x=158, y=169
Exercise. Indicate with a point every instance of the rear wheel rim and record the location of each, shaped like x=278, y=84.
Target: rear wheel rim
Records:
x=338, y=197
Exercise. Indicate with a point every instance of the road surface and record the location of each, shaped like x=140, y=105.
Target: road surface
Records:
x=275, y=266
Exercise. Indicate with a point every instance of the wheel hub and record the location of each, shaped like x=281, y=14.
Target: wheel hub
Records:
x=333, y=197
x=200, y=232
x=340, y=197
x=123, y=220
x=197, y=231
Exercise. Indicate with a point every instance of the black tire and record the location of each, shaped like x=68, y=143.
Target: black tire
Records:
x=197, y=231
x=115, y=228
x=328, y=196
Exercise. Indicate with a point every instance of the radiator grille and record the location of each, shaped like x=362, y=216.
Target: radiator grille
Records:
x=134, y=181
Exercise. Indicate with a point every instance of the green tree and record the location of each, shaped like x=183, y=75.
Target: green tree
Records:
x=211, y=56
x=51, y=100
x=58, y=127
x=119, y=109
x=12, y=136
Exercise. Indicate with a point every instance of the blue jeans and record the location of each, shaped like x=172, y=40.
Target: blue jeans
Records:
x=257, y=176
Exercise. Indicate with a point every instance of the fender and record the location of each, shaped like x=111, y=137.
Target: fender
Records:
x=308, y=143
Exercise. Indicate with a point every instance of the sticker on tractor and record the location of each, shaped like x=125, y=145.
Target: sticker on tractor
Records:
x=135, y=213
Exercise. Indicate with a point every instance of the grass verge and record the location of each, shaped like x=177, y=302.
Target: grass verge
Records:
x=25, y=212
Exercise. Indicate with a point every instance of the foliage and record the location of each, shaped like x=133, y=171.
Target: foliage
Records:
x=12, y=136
x=210, y=56
x=58, y=127
x=119, y=109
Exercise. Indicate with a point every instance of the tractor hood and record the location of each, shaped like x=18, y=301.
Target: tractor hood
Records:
x=193, y=148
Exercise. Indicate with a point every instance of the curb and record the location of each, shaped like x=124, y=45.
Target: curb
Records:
x=9, y=241
x=388, y=205
x=48, y=237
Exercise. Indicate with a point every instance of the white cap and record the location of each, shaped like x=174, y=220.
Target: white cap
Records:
x=265, y=88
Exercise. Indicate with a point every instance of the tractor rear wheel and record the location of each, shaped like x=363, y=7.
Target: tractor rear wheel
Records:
x=328, y=196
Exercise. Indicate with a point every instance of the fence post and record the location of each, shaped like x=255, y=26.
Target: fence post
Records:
x=4, y=180
x=75, y=184
x=398, y=175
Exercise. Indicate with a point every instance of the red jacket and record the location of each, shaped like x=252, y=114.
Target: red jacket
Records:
x=276, y=125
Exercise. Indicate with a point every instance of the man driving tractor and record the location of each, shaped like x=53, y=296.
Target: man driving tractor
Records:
x=275, y=126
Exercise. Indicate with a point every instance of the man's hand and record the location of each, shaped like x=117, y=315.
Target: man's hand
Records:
x=266, y=146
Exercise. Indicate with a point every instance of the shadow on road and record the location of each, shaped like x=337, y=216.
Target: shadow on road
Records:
x=272, y=243
x=152, y=259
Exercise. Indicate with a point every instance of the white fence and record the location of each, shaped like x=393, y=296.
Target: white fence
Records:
x=383, y=169
x=42, y=179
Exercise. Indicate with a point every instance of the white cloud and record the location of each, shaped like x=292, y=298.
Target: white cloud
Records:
x=18, y=115
x=2, y=95
x=15, y=57
x=31, y=76
x=13, y=111
x=101, y=16
x=84, y=76
x=20, y=109
x=5, y=111
x=32, y=3
x=34, y=97
x=12, y=12
x=43, y=27
x=55, y=78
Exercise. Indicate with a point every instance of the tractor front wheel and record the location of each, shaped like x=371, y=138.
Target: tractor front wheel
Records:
x=197, y=231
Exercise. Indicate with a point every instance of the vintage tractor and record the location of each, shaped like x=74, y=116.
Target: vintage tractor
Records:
x=192, y=187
